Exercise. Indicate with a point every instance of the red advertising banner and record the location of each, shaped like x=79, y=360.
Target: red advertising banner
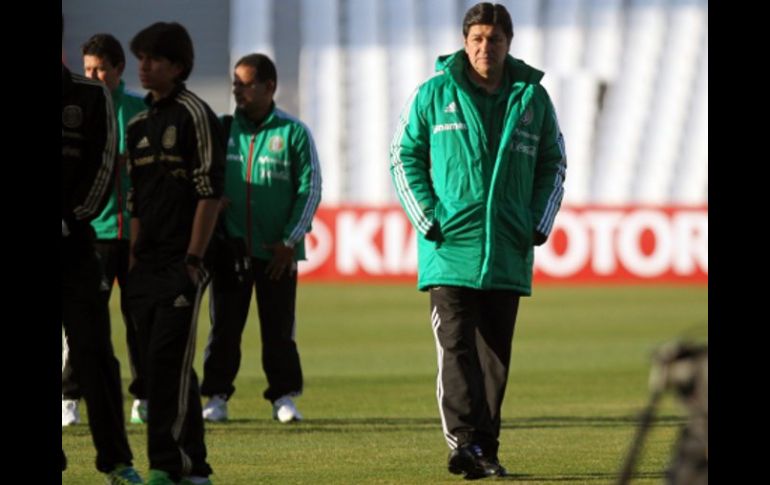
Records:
x=588, y=244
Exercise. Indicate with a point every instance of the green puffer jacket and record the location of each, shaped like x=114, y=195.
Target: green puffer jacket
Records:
x=476, y=212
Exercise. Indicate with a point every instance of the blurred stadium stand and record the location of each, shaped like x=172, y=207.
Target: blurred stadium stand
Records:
x=629, y=79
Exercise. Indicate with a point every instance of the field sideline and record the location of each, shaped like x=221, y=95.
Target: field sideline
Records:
x=578, y=382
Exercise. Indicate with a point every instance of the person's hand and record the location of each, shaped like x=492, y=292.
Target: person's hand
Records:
x=434, y=233
x=65, y=230
x=283, y=260
x=193, y=265
x=193, y=272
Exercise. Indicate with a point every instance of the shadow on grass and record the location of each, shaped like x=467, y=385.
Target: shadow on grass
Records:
x=346, y=425
x=588, y=422
x=576, y=477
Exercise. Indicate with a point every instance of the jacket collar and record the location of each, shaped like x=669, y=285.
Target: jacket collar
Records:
x=248, y=124
x=517, y=71
x=117, y=93
x=149, y=100
x=66, y=80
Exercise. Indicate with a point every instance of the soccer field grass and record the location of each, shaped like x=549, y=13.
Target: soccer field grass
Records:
x=579, y=371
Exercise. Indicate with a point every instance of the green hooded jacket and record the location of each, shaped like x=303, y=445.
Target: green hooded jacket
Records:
x=114, y=220
x=476, y=209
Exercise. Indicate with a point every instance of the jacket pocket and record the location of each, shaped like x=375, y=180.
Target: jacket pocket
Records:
x=515, y=227
x=460, y=222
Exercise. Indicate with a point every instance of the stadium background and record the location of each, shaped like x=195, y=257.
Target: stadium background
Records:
x=629, y=80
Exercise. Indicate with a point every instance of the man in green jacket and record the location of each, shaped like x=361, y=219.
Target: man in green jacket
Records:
x=478, y=163
x=104, y=61
x=272, y=191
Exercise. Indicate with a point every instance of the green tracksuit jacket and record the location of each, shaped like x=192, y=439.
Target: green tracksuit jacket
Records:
x=273, y=182
x=114, y=220
x=476, y=212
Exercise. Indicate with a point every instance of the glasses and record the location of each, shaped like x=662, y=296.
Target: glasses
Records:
x=238, y=84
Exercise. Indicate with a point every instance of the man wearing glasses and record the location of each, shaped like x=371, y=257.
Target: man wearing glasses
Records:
x=272, y=191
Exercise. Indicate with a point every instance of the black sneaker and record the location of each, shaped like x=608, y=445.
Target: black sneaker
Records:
x=494, y=464
x=469, y=460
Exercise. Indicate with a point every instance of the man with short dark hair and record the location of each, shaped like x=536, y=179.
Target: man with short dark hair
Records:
x=88, y=156
x=176, y=164
x=104, y=60
x=272, y=188
x=478, y=163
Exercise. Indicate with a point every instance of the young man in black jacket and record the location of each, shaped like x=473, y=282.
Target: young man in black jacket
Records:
x=176, y=164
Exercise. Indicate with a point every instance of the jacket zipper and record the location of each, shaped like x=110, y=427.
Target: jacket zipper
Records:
x=119, y=200
x=248, y=191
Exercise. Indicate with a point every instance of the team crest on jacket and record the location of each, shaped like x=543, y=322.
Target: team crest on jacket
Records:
x=169, y=137
x=276, y=143
x=72, y=116
x=526, y=118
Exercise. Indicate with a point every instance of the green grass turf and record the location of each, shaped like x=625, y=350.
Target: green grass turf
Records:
x=578, y=381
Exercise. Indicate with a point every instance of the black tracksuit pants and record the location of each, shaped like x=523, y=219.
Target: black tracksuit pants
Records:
x=164, y=303
x=229, y=308
x=86, y=321
x=474, y=332
x=113, y=254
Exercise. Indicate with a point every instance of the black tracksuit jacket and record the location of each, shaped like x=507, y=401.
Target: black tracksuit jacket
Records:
x=176, y=157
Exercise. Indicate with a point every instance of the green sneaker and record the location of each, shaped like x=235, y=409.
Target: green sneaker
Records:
x=159, y=477
x=194, y=480
x=124, y=475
